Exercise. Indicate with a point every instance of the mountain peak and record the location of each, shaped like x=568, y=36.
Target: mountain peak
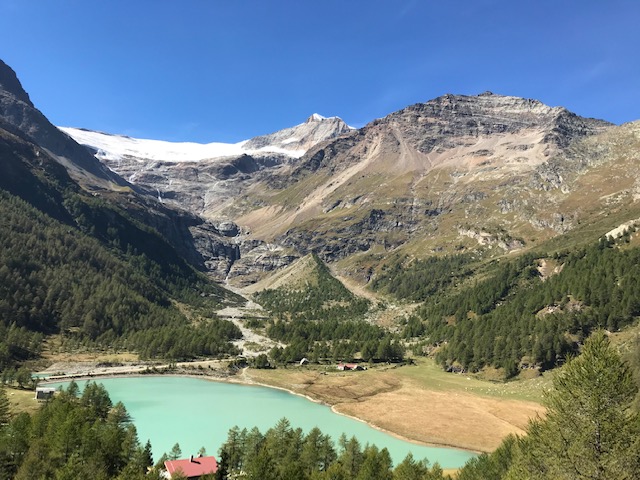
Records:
x=437, y=121
x=300, y=138
x=315, y=118
x=9, y=83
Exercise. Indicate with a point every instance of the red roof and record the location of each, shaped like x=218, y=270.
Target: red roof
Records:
x=348, y=366
x=194, y=467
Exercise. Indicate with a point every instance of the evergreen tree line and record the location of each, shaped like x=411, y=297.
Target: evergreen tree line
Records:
x=286, y=453
x=55, y=278
x=514, y=318
x=416, y=280
x=324, y=321
x=384, y=348
x=72, y=436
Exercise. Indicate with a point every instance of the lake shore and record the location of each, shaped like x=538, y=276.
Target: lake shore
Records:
x=241, y=379
x=386, y=399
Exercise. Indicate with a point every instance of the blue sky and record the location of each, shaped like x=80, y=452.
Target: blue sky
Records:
x=209, y=70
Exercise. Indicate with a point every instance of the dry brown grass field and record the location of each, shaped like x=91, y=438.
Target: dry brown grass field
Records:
x=420, y=402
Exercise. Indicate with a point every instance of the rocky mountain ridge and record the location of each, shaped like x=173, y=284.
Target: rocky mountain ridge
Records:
x=19, y=116
x=203, y=177
x=488, y=173
x=32, y=147
x=455, y=173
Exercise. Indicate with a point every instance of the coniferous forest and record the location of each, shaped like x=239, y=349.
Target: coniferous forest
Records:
x=323, y=321
x=75, y=264
x=509, y=316
x=72, y=436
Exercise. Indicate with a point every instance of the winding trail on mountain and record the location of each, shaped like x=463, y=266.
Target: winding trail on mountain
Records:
x=252, y=343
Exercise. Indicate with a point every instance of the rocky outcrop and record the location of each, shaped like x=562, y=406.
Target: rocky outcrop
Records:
x=302, y=137
x=439, y=123
x=19, y=116
x=257, y=260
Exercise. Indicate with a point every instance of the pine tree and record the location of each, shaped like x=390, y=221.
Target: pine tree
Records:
x=147, y=455
x=176, y=452
x=590, y=431
x=4, y=407
x=223, y=466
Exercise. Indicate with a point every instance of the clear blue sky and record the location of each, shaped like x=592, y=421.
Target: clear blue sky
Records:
x=210, y=70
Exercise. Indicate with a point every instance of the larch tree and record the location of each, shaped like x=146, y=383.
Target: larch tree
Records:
x=590, y=431
x=4, y=407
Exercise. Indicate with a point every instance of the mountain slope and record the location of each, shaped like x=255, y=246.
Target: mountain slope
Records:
x=77, y=265
x=485, y=173
x=82, y=258
x=205, y=177
x=479, y=171
x=19, y=116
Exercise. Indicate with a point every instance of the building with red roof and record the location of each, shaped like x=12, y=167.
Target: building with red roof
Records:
x=349, y=366
x=192, y=468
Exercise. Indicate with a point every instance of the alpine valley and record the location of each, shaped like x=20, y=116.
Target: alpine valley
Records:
x=492, y=234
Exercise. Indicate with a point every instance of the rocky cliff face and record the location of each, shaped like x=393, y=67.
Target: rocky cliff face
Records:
x=440, y=122
x=19, y=116
x=493, y=167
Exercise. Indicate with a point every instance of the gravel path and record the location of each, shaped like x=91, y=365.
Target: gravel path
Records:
x=252, y=343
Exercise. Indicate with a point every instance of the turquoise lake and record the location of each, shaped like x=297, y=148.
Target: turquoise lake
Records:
x=198, y=413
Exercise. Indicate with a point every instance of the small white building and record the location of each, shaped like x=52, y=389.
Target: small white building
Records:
x=44, y=393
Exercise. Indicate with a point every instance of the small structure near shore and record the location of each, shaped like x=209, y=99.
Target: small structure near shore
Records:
x=44, y=393
x=192, y=468
x=349, y=366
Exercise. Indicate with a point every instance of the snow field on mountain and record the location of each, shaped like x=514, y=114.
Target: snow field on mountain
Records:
x=115, y=147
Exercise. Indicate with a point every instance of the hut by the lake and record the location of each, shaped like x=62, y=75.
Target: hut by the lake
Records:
x=44, y=393
x=192, y=468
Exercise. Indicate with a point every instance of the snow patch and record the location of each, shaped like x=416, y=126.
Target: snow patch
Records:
x=114, y=148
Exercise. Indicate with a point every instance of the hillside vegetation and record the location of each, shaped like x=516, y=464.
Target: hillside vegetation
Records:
x=319, y=318
x=505, y=313
x=75, y=264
